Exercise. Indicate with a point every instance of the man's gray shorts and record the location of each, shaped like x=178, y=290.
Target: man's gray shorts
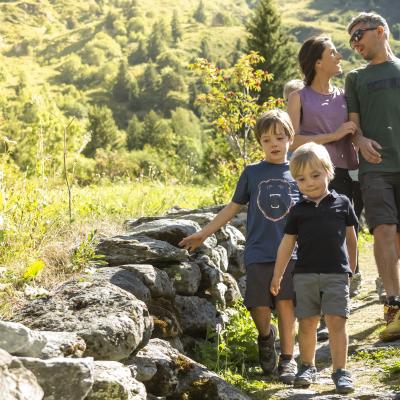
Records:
x=381, y=196
x=258, y=282
x=321, y=293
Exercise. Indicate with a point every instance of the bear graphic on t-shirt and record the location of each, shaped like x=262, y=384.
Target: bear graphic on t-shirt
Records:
x=274, y=198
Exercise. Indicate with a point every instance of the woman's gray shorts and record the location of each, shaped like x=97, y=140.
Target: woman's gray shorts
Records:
x=326, y=293
x=258, y=282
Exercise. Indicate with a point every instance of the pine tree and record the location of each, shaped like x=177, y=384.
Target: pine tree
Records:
x=104, y=132
x=121, y=88
x=205, y=49
x=134, y=134
x=267, y=37
x=200, y=15
x=176, y=27
x=157, y=40
x=149, y=87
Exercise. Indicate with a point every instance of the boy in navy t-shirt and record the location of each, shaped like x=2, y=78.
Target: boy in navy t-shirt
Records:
x=270, y=191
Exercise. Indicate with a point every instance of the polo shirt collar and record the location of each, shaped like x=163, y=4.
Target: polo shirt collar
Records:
x=331, y=193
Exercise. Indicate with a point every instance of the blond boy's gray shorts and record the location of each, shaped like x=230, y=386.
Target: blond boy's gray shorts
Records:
x=321, y=293
x=258, y=282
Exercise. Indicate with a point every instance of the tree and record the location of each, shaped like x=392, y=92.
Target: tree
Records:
x=176, y=27
x=267, y=37
x=103, y=130
x=121, y=88
x=200, y=15
x=134, y=134
x=139, y=55
x=232, y=99
x=156, y=131
x=149, y=86
x=157, y=39
x=188, y=133
x=205, y=49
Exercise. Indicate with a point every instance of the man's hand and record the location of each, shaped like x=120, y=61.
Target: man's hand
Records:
x=193, y=241
x=369, y=149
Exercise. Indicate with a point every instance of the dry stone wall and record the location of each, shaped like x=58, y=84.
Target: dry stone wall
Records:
x=126, y=330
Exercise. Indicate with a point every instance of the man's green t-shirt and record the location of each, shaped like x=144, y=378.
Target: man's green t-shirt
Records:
x=373, y=92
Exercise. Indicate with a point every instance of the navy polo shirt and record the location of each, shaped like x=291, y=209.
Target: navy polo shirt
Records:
x=321, y=233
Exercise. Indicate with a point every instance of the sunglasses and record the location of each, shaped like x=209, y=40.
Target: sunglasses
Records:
x=358, y=35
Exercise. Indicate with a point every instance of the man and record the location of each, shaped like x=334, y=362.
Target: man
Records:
x=373, y=96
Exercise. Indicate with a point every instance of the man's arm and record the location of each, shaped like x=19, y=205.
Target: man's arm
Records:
x=351, y=243
x=225, y=215
x=282, y=259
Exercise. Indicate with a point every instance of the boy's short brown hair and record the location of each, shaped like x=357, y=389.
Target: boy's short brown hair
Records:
x=270, y=119
x=311, y=154
x=291, y=86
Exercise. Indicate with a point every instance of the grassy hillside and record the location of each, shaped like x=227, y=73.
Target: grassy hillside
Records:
x=58, y=58
x=37, y=36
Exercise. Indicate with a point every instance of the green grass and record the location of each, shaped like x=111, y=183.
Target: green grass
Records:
x=388, y=359
x=37, y=227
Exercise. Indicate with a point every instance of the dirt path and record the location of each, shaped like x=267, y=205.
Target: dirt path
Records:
x=368, y=357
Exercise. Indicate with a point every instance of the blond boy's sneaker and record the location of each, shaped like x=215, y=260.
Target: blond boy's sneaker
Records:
x=392, y=330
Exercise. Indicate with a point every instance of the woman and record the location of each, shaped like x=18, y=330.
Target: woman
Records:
x=319, y=111
x=319, y=114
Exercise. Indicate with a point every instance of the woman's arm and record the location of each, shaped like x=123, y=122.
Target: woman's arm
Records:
x=294, y=111
x=285, y=251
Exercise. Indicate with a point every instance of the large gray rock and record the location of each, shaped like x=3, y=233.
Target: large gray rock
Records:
x=124, y=279
x=165, y=320
x=195, y=314
x=242, y=285
x=62, y=344
x=230, y=237
x=220, y=257
x=236, y=265
x=212, y=284
x=111, y=321
x=232, y=294
x=211, y=275
x=114, y=381
x=202, y=218
x=155, y=279
x=167, y=230
x=17, y=382
x=179, y=377
x=136, y=249
x=156, y=368
x=178, y=211
x=17, y=339
x=185, y=277
x=62, y=378
x=239, y=221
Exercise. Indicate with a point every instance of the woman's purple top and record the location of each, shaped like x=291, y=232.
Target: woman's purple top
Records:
x=325, y=113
